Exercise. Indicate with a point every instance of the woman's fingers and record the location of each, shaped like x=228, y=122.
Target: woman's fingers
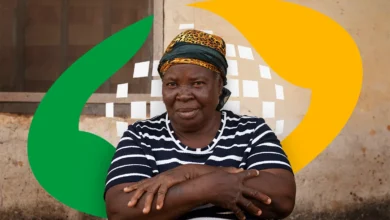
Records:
x=131, y=188
x=161, y=196
x=151, y=188
x=249, y=206
x=256, y=195
x=151, y=191
x=233, y=169
x=135, y=185
x=247, y=174
x=238, y=212
x=136, y=196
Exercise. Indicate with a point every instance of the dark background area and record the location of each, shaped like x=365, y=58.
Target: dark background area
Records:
x=39, y=39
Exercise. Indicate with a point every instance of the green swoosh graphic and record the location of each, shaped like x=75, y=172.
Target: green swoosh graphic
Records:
x=69, y=164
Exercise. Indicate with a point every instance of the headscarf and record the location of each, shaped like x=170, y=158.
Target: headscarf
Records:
x=199, y=48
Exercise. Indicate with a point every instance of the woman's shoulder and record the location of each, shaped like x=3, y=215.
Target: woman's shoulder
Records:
x=232, y=117
x=153, y=123
x=245, y=124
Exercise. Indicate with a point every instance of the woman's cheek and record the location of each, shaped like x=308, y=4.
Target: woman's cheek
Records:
x=205, y=95
x=168, y=98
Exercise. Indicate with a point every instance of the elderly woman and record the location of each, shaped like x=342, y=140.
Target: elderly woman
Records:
x=198, y=161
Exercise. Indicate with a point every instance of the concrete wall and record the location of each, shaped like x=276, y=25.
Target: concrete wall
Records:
x=349, y=180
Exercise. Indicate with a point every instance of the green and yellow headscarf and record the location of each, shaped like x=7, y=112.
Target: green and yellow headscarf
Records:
x=199, y=48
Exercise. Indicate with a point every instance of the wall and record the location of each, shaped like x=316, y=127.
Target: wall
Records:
x=39, y=39
x=352, y=176
x=349, y=180
x=21, y=197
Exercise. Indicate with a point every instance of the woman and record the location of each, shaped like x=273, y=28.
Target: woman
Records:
x=197, y=161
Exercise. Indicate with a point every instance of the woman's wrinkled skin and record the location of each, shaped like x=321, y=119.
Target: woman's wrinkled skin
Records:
x=191, y=95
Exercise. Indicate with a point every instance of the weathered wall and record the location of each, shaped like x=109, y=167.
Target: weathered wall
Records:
x=21, y=197
x=349, y=180
x=352, y=174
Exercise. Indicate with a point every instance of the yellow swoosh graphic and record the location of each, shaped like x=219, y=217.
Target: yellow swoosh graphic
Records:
x=307, y=49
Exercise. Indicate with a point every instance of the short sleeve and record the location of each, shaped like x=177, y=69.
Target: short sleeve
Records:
x=130, y=163
x=265, y=150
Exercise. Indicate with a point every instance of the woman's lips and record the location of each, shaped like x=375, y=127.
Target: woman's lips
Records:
x=187, y=113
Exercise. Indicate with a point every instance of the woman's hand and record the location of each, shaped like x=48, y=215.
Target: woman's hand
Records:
x=162, y=182
x=228, y=191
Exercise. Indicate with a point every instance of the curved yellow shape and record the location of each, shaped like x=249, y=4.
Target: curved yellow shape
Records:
x=307, y=49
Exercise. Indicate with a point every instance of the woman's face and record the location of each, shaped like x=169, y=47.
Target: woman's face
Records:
x=191, y=94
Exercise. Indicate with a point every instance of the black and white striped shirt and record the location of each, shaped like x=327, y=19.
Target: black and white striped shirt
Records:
x=151, y=147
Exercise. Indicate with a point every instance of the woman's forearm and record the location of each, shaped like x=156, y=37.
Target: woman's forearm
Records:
x=280, y=189
x=179, y=200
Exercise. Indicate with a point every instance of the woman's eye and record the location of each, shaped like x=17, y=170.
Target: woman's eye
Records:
x=171, y=84
x=198, y=83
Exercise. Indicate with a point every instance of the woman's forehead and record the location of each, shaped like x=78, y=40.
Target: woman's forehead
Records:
x=188, y=70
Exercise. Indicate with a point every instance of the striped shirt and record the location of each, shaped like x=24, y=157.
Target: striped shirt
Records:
x=151, y=147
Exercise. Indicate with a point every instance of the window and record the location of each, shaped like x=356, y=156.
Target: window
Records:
x=39, y=39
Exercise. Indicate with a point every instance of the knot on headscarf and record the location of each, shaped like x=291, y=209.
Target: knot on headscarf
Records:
x=199, y=48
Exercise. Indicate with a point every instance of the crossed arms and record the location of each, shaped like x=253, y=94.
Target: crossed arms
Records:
x=263, y=190
x=262, y=194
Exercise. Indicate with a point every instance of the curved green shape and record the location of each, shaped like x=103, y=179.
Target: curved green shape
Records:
x=69, y=164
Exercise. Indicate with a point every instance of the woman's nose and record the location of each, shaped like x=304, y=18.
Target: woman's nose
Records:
x=184, y=94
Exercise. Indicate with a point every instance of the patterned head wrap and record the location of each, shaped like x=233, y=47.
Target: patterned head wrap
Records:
x=199, y=48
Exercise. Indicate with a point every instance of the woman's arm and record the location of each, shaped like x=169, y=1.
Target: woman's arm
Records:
x=133, y=164
x=179, y=199
x=161, y=183
x=279, y=185
x=276, y=177
x=185, y=196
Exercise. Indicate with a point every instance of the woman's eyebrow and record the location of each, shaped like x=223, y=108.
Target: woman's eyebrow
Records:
x=198, y=77
x=170, y=78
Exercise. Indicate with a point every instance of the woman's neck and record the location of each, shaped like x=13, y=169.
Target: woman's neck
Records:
x=200, y=136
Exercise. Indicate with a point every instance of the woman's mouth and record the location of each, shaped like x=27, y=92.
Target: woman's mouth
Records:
x=187, y=113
